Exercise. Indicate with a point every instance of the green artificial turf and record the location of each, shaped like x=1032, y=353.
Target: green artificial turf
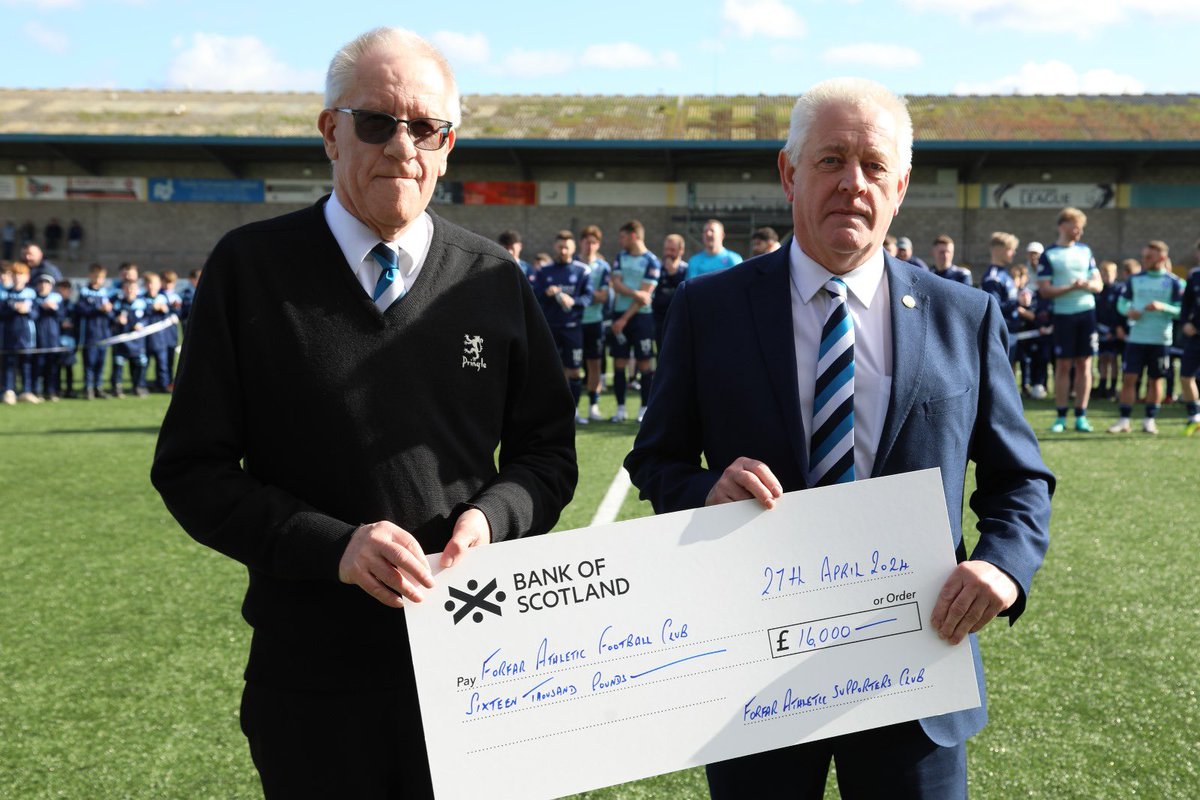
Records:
x=121, y=643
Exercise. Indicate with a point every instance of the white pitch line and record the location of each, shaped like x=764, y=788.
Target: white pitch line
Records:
x=610, y=506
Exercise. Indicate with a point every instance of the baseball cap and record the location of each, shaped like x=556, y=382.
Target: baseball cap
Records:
x=904, y=242
x=45, y=276
x=1035, y=247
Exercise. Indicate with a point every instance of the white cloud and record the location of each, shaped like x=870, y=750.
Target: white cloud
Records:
x=1055, y=77
x=534, y=63
x=463, y=48
x=1080, y=17
x=44, y=5
x=237, y=64
x=769, y=18
x=46, y=38
x=625, y=55
x=872, y=54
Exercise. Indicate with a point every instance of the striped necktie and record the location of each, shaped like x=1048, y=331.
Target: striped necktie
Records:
x=389, y=262
x=831, y=453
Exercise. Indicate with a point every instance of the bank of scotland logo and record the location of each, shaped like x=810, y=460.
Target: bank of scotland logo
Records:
x=477, y=602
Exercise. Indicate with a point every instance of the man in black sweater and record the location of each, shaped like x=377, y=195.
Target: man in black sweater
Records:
x=358, y=362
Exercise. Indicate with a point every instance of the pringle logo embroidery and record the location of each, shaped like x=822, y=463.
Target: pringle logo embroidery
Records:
x=472, y=356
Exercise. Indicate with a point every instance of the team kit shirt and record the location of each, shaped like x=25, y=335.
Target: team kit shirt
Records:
x=634, y=271
x=1152, y=327
x=1062, y=264
x=94, y=322
x=704, y=262
x=20, y=329
x=49, y=322
x=572, y=280
x=999, y=284
x=598, y=278
x=135, y=313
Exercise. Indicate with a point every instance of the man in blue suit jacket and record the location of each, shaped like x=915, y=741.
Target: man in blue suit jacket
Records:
x=932, y=387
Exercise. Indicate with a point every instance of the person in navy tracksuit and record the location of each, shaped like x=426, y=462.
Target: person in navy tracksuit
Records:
x=94, y=317
x=49, y=329
x=130, y=315
x=18, y=315
x=158, y=342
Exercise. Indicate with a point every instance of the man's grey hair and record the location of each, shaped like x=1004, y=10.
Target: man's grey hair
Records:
x=340, y=76
x=856, y=92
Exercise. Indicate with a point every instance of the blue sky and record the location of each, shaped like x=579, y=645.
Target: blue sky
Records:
x=620, y=47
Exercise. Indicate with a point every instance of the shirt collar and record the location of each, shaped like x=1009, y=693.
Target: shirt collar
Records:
x=809, y=276
x=356, y=240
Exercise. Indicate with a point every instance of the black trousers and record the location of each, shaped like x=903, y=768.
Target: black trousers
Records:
x=897, y=762
x=354, y=745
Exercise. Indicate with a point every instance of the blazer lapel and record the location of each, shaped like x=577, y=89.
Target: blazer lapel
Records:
x=910, y=321
x=770, y=295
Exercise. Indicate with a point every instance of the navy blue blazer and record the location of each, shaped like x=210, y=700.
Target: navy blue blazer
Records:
x=726, y=387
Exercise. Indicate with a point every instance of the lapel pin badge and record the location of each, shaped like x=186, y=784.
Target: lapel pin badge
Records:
x=909, y=301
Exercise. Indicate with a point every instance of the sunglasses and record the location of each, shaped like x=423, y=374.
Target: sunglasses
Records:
x=375, y=127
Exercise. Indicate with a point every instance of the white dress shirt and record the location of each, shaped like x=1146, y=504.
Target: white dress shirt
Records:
x=869, y=308
x=356, y=241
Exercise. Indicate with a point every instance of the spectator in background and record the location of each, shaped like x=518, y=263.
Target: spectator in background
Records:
x=94, y=312
x=1108, y=321
x=49, y=329
x=1152, y=301
x=67, y=338
x=18, y=317
x=8, y=236
x=1027, y=316
x=764, y=240
x=130, y=312
x=674, y=272
x=510, y=240
x=74, y=240
x=595, y=317
x=714, y=257
x=904, y=252
x=158, y=343
x=999, y=284
x=52, y=235
x=889, y=245
x=943, y=261
x=170, y=281
x=1067, y=275
x=1189, y=362
x=26, y=233
x=563, y=291
x=635, y=273
x=1033, y=254
x=37, y=262
x=187, y=294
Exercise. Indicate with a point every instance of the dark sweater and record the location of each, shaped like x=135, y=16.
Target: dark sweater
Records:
x=301, y=411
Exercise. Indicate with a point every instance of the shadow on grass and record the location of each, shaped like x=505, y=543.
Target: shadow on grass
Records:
x=73, y=431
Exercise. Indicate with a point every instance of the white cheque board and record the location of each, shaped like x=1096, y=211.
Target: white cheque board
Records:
x=561, y=663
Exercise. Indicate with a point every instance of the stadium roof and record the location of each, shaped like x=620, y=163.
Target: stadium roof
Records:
x=86, y=126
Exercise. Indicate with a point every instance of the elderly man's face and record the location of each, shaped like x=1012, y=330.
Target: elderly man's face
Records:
x=847, y=185
x=387, y=186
